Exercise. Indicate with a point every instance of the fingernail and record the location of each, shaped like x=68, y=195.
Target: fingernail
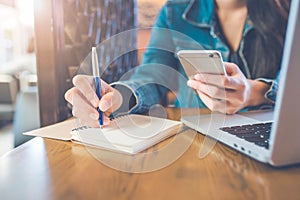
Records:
x=199, y=77
x=93, y=116
x=189, y=83
x=104, y=105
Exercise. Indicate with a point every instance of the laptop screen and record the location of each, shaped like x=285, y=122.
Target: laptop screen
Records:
x=285, y=130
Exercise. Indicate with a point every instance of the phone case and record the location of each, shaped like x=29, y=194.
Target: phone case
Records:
x=201, y=61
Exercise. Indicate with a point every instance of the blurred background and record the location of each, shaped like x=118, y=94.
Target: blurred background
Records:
x=17, y=62
x=46, y=40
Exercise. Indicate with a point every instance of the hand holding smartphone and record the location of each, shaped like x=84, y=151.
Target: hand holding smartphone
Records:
x=201, y=61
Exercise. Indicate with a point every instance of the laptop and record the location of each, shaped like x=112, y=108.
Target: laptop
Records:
x=269, y=136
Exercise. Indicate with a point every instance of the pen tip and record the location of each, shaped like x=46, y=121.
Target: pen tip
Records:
x=101, y=126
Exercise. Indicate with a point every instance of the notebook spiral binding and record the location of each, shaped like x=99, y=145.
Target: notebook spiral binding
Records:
x=118, y=116
x=80, y=128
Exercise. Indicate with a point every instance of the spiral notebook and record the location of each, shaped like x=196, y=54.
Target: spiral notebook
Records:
x=129, y=134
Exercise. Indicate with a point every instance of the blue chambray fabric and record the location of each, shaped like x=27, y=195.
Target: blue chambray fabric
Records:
x=181, y=24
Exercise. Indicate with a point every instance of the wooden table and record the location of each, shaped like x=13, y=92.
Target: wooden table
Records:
x=50, y=169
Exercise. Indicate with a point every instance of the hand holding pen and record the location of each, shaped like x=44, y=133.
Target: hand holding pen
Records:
x=84, y=97
x=97, y=80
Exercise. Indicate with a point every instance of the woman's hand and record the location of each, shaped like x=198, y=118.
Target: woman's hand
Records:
x=229, y=94
x=85, y=101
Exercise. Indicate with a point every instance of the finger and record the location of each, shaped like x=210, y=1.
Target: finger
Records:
x=231, y=68
x=87, y=114
x=85, y=84
x=227, y=82
x=111, y=101
x=222, y=106
x=105, y=87
x=85, y=120
x=83, y=108
x=105, y=103
x=213, y=104
x=93, y=123
x=210, y=90
x=231, y=81
x=69, y=95
x=211, y=79
x=216, y=92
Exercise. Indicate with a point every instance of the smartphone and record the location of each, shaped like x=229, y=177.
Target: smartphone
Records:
x=201, y=61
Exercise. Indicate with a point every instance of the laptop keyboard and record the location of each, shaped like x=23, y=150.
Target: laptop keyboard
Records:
x=258, y=134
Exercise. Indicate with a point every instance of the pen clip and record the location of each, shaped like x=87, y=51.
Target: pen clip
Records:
x=95, y=63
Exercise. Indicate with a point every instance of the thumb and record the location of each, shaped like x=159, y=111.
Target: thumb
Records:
x=231, y=68
x=112, y=101
x=105, y=102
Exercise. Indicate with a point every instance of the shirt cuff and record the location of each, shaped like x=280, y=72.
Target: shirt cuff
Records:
x=272, y=91
x=127, y=92
x=137, y=91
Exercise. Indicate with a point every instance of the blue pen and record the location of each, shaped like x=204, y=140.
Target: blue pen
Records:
x=96, y=75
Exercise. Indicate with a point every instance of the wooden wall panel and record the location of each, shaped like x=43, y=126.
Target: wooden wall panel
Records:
x=65, y=32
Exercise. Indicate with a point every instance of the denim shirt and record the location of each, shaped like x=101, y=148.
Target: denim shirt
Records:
x=181, y=24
